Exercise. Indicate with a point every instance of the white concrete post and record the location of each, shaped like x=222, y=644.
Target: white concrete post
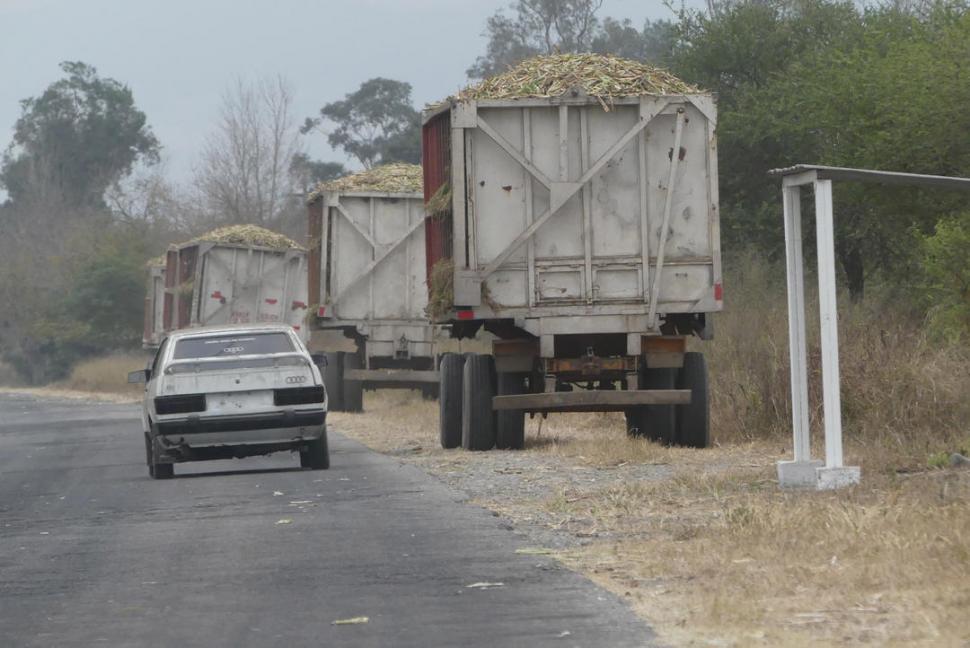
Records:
x=829, y=322
x=804, y=471
x=796, y=322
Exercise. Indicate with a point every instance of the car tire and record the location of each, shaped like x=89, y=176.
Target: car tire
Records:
x=477, y=415
x=148, y=456
x=333, y=381
x=354, y=389
x=317, y=454
x=694, y=419
x=510, y=424
x=449, y=399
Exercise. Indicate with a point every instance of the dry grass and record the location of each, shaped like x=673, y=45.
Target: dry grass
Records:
x=107, y=375
x=903, y=395
x=715, y=553
x=731, y=558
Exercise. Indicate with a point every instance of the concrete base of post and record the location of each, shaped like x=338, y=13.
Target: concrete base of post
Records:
x=799, y=474
x=832, y=478
x=813, y=475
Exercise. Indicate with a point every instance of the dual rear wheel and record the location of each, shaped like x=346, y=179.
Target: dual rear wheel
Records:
x=683, y=425
x=469, y=381
x=467, y=384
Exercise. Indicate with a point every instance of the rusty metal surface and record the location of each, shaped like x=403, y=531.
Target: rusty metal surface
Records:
x=593, y=400
x=515, y=347
x=589, y=365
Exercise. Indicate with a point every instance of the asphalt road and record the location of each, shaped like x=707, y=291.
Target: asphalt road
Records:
x=257, y=552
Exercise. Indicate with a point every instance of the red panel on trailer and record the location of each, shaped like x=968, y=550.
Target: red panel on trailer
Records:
x=436, y=163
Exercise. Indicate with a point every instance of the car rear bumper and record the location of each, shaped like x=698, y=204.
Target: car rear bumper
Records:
x=194, y=425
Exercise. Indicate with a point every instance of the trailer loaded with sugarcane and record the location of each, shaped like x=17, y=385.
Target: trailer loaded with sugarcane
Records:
x=367, y=278
x=237, y=274
x=573, y=214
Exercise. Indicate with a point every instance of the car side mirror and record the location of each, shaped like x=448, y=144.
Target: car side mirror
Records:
x=319, y=359
x=140, y=376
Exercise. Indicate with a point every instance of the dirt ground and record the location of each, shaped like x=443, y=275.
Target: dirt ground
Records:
x=703, y=544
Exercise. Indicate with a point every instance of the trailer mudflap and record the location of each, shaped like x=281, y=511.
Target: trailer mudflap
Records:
x=592, y=400
x=391, y=375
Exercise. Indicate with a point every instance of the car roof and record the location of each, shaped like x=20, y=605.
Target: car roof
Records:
x=232, y=329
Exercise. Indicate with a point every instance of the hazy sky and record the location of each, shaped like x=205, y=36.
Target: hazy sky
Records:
x=179, y=55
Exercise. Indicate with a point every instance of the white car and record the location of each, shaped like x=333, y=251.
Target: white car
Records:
x=233, y=391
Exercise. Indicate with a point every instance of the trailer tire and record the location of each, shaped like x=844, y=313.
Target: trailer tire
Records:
x=333, y=381
x=510, y=424
x=449, y=399
x=477, y=416
x=654, y=422
x=353, y=389
x=317, y=454
x=694, y=419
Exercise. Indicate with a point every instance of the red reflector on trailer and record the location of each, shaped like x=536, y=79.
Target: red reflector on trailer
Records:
x=216, y=295
x=299, y=304
x=718, y=292
x=322, y=311
x=466, y=314
x=270, y=300
x=296, y=327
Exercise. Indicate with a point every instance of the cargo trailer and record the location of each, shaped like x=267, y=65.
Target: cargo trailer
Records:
x=368, y=283
x=233, y=275
x=582, y=230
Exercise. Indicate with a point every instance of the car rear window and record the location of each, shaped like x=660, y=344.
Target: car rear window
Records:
x=227, y=346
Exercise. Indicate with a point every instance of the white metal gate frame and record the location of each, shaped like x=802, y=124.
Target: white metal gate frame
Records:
x=204, y=258
x=378, y=252
x=803, y=471
x=464, y=115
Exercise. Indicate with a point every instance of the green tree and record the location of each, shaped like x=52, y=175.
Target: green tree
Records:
x=80, y=136
x=946, y=266
x=376, y=124
x=309, y=172
x=855, y=88
x=655, y=43
x=536, y=27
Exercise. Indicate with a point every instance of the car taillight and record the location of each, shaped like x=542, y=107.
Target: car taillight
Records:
x=298, y=395
x=181, y=404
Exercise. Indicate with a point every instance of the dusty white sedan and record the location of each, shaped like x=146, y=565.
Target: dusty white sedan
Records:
x=239, y=391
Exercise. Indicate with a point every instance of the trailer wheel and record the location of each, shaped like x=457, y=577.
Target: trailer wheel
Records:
x=449, y=400
x=317, y=454
x=477, y=416
x=510, y=424
x=694, y=419
x=353, y=389
x=655, y=422
x=333, y=381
